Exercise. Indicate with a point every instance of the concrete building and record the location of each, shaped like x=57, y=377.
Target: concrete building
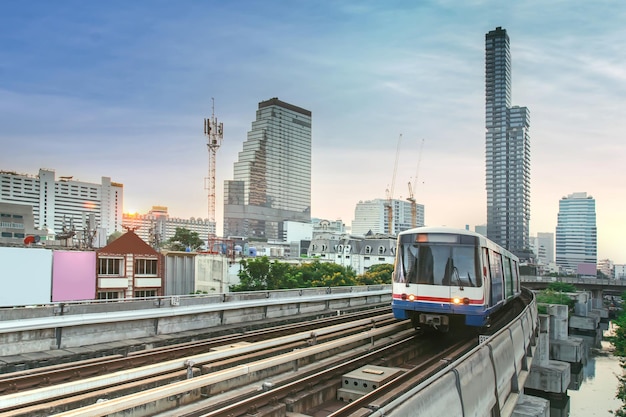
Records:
x=576, y=235
x=328, y=226
x=16, y=223
x=272, y=177
x=66, y=205
x=620, y=271
x=371, y=217
x=507, y=151
x=357, y=252
x=607, y=268
x=545, y=247
x=157, y=226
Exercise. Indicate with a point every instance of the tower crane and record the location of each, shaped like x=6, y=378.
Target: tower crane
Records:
x=214, y=133
x=411, y=197
x=390, y=191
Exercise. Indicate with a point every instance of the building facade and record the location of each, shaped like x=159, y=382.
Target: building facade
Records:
x=507, y=151
x=272, y=176
x=576, y=235
x=372, y=217
x=65, y=207
x=157, y=226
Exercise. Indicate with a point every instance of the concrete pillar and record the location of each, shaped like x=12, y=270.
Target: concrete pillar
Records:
x=581, y=308
x=558, y=321
x=543, y=345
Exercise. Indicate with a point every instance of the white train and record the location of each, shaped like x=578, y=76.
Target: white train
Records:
x=445, y=277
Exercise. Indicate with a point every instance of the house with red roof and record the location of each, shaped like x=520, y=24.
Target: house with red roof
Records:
x=128, y=268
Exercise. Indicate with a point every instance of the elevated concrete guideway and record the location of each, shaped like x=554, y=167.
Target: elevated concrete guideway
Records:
x=607, y=286
x=489, y=378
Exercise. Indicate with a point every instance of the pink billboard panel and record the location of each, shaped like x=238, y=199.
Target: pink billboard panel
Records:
x=587, y=269
x=73, y=276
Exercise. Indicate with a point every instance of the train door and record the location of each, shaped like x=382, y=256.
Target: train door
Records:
x=497, y=284
x=487, y=277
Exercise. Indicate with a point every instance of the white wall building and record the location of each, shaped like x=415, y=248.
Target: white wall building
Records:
x=59, y=205
x=157, y=226
x=372, y=217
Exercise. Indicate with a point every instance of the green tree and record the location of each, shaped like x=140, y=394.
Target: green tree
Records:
x=258, y=274
x=377, y=274
x=114, y=236
x=619, y=342
x=561, y=287
x=184, y=238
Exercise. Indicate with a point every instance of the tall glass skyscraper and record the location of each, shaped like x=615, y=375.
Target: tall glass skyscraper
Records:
x=507, y=151
x=576, y=235
x=272, y=177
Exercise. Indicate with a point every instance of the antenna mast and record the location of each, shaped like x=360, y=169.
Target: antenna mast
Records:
x=214, y=133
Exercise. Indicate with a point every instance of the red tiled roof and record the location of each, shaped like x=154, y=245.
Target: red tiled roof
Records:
x=129, y=242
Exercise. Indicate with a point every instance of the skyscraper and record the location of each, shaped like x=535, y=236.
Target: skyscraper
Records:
x=576, y=235
x=507, y=151
x=272, y=177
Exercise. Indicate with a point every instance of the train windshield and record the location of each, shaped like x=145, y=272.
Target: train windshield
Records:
x=434, y=263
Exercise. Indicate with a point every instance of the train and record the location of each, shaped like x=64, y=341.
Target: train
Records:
x=446, y=277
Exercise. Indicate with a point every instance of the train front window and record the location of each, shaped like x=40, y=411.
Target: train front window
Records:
x=438, y=265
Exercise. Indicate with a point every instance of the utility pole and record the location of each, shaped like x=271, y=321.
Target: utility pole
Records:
x=214, y=133
x=390, y=191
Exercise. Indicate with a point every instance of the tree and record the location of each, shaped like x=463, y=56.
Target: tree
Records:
x=377, y=274
x=258, y=274
x=113, y=236
x=619, y=342
x=183, y=239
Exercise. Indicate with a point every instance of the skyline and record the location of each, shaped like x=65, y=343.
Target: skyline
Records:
x=121, y=90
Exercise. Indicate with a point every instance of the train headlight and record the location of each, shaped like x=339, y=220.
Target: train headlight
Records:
x=403, y=296
x=466, y=301
x=456, y=300
x=411, y=297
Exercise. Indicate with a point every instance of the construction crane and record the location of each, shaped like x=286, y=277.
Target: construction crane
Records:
x=411, y=197
x=390, y=190
x=214, y=133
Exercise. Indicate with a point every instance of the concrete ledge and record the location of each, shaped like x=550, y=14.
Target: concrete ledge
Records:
x=551, y=377
x=570, y=350
x=529, y=406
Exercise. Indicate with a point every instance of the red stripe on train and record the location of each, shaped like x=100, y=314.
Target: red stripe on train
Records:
x=436, y=299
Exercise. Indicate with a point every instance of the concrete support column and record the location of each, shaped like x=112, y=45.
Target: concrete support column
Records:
x=543, y=345
x=558, y=321
x=582, y=307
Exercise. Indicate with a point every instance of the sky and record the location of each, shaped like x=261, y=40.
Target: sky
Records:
x=120, y=89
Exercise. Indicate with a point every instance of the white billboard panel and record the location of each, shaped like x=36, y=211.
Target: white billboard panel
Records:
x=25, y=276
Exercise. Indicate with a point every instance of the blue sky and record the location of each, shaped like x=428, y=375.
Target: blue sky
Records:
x=120, y=89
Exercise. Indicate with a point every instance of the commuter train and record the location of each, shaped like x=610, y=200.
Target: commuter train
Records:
x=445, y=278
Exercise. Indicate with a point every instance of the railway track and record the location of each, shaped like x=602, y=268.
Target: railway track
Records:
x=270, y=372
x=57, y=374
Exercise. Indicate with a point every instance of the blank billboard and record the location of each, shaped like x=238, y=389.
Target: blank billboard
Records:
x=25, y=276
x=73, y=276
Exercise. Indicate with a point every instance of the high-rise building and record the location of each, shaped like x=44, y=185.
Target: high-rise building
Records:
x=507, y=151
x=66, y=204
x=371, y=216
x=545, y=247
x=272, y=177
x=576, y=235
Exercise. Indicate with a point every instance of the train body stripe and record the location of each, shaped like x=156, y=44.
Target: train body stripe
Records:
x=436, y=299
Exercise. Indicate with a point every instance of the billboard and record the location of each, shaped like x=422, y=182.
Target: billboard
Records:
x=25, y=276
x=73, y=276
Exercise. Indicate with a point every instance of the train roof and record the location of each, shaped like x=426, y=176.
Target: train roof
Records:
x=486, y=241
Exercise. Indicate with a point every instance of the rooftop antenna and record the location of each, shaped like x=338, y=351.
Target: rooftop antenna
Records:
x=214, y=133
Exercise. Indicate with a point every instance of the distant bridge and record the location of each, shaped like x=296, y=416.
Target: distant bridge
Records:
x=607, y=286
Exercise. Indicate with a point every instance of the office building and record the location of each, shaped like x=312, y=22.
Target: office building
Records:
x=272, y=176
x=65, y=206
x=157, y=226
x=576, y=235
x=371, y=217
x=507, y=151
x=545, y=248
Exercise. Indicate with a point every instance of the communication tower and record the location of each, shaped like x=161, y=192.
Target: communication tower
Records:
x=214, y=133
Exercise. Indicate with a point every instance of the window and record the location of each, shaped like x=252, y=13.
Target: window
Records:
x=146, y=293
x=146, y=267
x=108, y=295
x=110, y=266
x=7, y=234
